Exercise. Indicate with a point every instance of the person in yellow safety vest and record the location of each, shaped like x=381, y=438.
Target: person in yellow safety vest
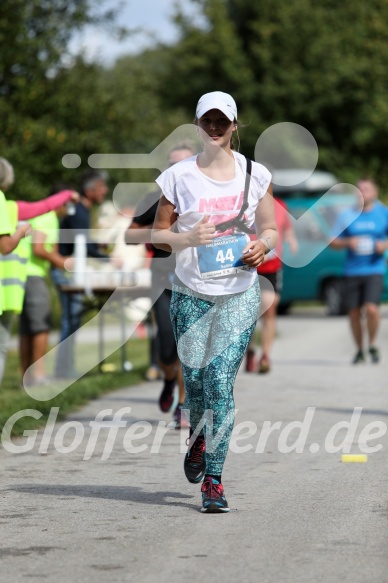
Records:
x=13, y=266
x=35, y=318
x=9, y=240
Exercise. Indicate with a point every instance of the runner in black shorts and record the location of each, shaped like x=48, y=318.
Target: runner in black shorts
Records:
x=363, y=233
x=363, y=289
x=275, y=279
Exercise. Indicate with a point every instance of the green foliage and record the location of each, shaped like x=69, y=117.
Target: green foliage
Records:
x=207, y=60
x=319, y=64
x=13, y=398
x=46, y=108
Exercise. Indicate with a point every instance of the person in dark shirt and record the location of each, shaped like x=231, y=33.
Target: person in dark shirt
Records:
x=162, y=270
x=93, y=190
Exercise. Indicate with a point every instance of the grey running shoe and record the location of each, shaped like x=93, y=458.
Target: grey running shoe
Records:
x=359, y=357
x=374, y=354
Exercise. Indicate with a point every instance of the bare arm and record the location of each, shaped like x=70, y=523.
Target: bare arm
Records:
x=344, y=243
x=381, y=246
x=136, y=234
x=289, y=237
x=29, y=210
x=40, y=251
x=352, y=243
x=163, y=236
x=255, y=251
x=9, y=242
x=340, y=243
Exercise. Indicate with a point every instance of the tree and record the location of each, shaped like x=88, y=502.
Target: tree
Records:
x=34, y=39
x=321, y=65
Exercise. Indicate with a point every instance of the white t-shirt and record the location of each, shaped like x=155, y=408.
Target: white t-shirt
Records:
x=195, y=195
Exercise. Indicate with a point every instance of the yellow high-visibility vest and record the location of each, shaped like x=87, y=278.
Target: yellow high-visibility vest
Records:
x=13, y=269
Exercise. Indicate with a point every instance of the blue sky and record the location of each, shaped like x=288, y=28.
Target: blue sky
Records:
x=154, y=16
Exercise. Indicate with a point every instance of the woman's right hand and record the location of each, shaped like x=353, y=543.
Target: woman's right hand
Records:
x=202, y=233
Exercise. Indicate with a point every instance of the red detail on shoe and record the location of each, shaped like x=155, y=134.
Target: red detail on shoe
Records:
x=212, y=490
x=197, y=450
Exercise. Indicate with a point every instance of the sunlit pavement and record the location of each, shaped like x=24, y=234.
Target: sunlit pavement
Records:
x=302, y=517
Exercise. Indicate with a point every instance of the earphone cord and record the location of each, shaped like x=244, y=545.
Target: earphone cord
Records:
x=238, y=138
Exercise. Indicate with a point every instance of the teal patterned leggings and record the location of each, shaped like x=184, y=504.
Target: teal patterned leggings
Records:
x=212, y=334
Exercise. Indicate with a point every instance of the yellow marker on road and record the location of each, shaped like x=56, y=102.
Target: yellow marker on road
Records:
x=108, y=367
x=357, y=458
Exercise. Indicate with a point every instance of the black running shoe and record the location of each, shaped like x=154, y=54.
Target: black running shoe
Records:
x=359, y=357
x=374, y=354
x=213, y=499
x=195, y=464
x=167, y=397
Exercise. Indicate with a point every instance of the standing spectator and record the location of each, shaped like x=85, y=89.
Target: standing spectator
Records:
x=93, y=190
x=13, y=267
x=9, y=240
x=35, y=319
x=9, y=237
x=365, y=241
x=163, y=269
x=272, y=270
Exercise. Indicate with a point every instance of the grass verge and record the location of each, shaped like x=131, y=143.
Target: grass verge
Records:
x=13, y=398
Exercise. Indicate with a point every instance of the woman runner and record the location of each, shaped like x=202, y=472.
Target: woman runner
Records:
x=210, y=203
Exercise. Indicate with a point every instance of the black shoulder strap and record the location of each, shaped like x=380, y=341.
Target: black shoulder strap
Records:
x=236, y=222
x=246, y=189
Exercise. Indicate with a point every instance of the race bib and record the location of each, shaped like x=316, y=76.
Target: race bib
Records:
x=222, y=256
x=365, y=246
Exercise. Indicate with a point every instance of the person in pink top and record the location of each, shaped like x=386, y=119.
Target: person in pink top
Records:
x=271, y=269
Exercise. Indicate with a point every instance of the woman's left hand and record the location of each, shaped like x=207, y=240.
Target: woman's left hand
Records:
x=254, y=253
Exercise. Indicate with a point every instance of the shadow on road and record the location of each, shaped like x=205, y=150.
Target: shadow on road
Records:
x=108, y=421
x=132, y=494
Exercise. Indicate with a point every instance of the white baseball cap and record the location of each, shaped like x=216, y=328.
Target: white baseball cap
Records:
x=217, y=100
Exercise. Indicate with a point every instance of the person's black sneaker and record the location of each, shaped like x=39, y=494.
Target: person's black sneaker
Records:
x=195, y=463
x=167, y=398
x=359, y=357
x=374, y=354
x=213, y=498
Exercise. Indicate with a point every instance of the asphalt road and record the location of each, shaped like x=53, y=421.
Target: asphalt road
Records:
x=295, y=517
